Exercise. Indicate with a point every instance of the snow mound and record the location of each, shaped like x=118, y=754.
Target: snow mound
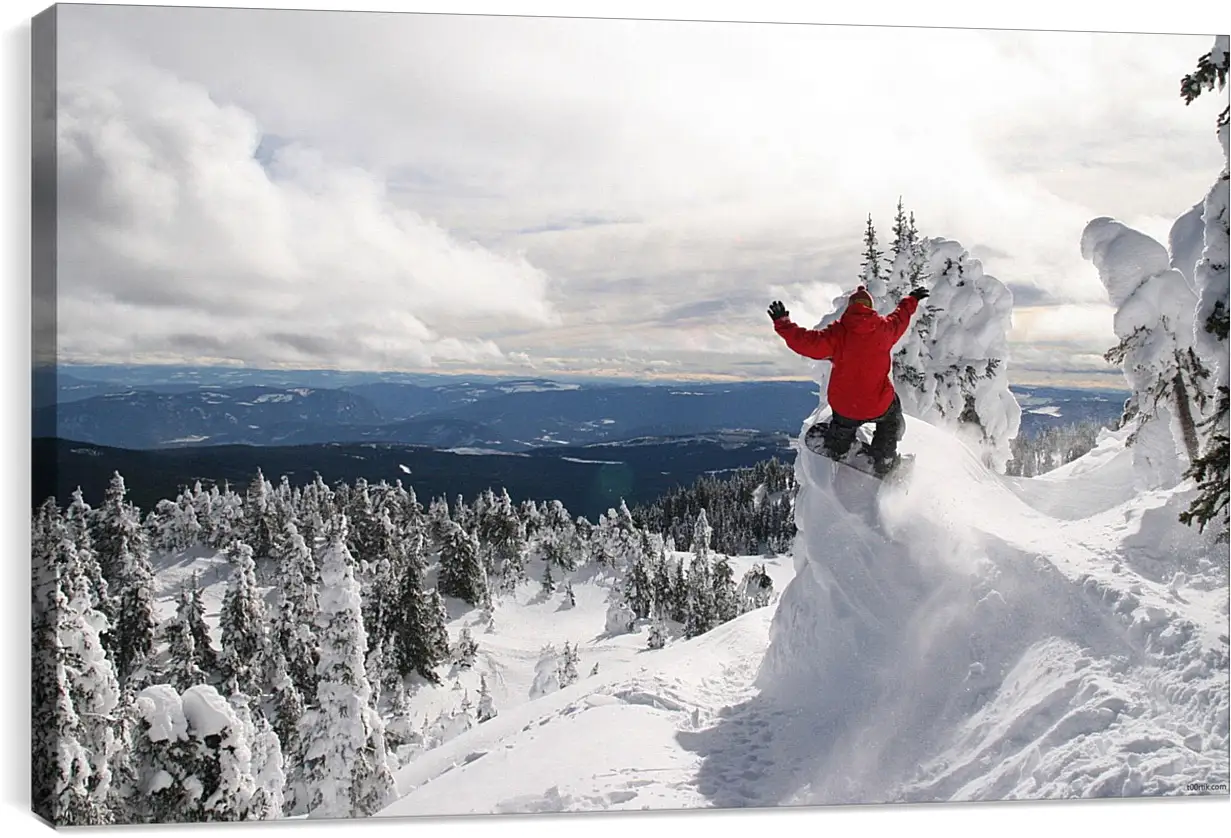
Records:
x=947, y=640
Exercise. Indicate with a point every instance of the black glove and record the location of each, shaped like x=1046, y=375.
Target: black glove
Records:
x=777, y=310
x=919, y=293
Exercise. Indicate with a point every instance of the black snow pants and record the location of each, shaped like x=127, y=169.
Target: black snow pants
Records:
x=890, y=427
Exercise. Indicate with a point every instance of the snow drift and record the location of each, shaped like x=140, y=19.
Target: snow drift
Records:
x=947, y=640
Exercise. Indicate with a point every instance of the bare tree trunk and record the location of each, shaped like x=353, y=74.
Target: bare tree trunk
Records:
x=1187, y=427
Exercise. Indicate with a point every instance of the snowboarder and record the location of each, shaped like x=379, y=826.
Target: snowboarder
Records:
x=860, y=390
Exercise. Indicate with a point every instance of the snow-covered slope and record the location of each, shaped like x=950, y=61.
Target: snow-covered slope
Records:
x=971, y=646
x=965, y=636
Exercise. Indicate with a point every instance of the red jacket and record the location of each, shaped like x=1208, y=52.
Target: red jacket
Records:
x=858, y=344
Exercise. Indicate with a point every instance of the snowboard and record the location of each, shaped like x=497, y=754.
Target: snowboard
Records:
x=859, y=457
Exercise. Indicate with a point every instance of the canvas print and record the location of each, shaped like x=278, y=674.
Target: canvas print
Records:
x=472, y=415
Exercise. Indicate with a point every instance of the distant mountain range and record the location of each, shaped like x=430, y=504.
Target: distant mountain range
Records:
x=588, y=480
x=586, y=443
x=272, y=408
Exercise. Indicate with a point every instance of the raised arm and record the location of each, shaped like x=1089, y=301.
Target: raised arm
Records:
x=898, y=321
x=818, y=344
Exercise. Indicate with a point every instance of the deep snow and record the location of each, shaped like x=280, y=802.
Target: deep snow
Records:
x=965, y=637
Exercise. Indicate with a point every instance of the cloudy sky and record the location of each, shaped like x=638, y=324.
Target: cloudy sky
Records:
x=539, y=196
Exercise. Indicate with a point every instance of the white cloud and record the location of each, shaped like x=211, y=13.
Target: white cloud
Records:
x=613, y=175
x=173, y=234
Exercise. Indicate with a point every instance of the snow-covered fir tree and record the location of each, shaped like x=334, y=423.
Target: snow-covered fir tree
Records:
x=872, y=268
x=907, y=259
x=420, y=641
x=346, y=768
x=1154, y=321
x=702, y=611
x=192, y=757
x=487, y=708
x=70, y=755
x=950, y=368
x=466, y=648
x=259, y=526
x=268, y=775
x=462, y=574
x=546, y=672
x=77, y=520
x=244, y=628
x=1212, y=282
x=658, y=631
x=621, y=618
x=502, y=537
x=124, y=558
x=183, y=668
x=288, y=711
x=568, y=665
x=727, y=604
x=295, y=608
x=756, y=589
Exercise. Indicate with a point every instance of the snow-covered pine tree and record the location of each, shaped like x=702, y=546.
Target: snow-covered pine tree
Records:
x=242, y=622
x=1154, y=321
x=950, y=368
x=464, y=651
x=114, y=520
x=288, y=710
x=557, y=539
x=531, y=518
x=399, y=727
x=680, y=594
x=907, y=258
x=122, y=549
x=658, y=631
x=461, y=571
x=47, y=684
x=702, y=533
x=295, y=608
x=69, y=802
x=186, y=515
x=621, y=618
x=726, y=598
x=1211, y=280
x=487, y=708
x=437, y=525
x=638, y=586
x=182, y=669
x=77, y=518
x=258, y=527
x=872, y=269
x=546, y=672
x=502, y=538
x=62, y=767
x=364, y=523
x=167, y=764
x=266, y=799
x=617, y=539
x=346, y=767
x=701, y=606
x=756, y=589
x=135, y=622
x=547, y=586
x=420, y=640
x=465, y=515
x=268, y=773
x=202, y=643
x=568, y=665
